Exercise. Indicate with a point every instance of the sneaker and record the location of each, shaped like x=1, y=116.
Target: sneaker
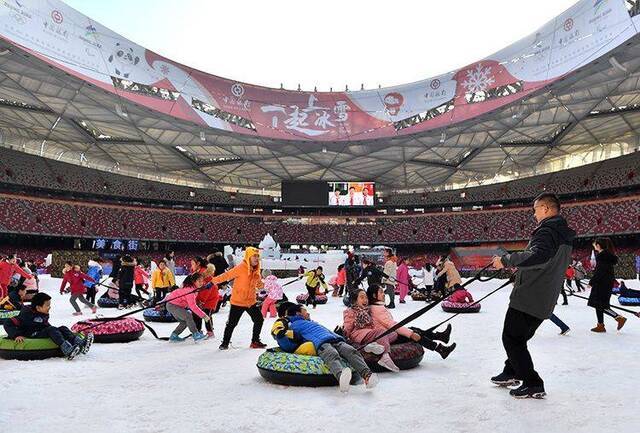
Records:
x=505, y=379
x=87, y=342
x=371, y=381
x=175, y=338
x=69, y=350
x=445, y=351
x=403, y=301
x=198, y=336
x=345, y=379
x=77, y=313
x=257, y=345
x=386, y=362
x=210, y=334
x=224, y=346
x=621, y=321
x=375, y=348
x=120, y=307
x=524, y=391
x=565, y=331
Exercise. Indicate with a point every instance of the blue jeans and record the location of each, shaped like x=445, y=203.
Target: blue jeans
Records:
x=559, y=323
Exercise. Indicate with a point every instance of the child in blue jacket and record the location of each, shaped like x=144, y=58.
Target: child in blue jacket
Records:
x=94, y=270
x=331, y=347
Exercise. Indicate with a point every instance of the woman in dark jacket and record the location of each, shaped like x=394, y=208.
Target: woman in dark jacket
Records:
x=602, y=283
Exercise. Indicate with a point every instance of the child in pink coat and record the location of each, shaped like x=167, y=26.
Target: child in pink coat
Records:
x=359, y=327
x=274, y=294
x=177, y=303
x=383, y=320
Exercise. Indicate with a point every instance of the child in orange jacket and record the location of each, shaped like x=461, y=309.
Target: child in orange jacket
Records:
x=246, y=281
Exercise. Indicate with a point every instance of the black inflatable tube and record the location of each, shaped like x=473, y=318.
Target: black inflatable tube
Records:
x=295, y=379
x=118, y=338
x=461, y=310
x=30, y=355
x=402, y=364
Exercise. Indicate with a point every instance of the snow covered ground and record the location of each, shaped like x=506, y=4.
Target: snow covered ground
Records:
x=154, y=386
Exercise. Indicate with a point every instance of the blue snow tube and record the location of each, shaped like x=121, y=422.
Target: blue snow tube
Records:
x=628, y=301
x=157, y=315
x=105, y=302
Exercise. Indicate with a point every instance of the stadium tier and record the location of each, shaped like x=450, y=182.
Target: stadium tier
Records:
x=22, y=214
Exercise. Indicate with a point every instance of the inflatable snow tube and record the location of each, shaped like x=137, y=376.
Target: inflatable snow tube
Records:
x=405, y=355
x=284, y=368
x=111, y=331
x=320, y=299
x=7, y=314
x=157, y=315
x=107, y=303
x=31, y=349
x=418, y=296
x=633, y=302
x=460, y=307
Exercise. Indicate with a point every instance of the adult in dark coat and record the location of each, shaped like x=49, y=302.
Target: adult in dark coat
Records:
x=602, y=283
x=540, y=275
x=125, y=282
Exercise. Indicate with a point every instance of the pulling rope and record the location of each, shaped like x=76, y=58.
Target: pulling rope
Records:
x=428, y=307
x=626, y=310
x=108, y=319
x=509, y=281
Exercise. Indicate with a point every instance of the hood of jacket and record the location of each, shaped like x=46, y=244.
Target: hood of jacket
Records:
x=93, y=264
x=248, y=253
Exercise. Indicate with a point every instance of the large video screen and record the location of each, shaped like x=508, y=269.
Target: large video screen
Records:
x=351, y=194
x=304, y=193
x=333, y=194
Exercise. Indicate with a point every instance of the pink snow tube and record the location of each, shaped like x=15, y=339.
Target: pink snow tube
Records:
x=111, y=331
x=460, y=307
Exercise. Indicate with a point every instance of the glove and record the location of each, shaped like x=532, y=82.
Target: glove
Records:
x=280, y=328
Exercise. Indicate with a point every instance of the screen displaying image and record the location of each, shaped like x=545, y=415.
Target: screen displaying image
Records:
x=349, y=194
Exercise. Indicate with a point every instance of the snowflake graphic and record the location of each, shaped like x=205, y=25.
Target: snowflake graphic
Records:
x=164, y=69
x=478, y=79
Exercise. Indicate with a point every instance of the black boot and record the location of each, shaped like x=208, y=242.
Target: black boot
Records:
x=505, y=379
x=444, y=351
x=443, y=336
x=525, y=391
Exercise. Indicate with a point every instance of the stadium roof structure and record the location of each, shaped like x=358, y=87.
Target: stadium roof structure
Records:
x=72, y=89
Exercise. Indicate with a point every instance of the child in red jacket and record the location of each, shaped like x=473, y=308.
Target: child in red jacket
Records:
x=207, y=299
x=76, y=278
x=140, y=278
x=9, y=267
x=461, y=296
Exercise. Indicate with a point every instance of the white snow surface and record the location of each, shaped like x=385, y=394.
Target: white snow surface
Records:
x=152, y=386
